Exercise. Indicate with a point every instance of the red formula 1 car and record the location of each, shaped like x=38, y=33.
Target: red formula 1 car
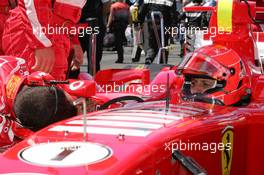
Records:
x=192, y=136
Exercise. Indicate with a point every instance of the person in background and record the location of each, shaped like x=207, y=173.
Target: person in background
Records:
x=137, y=31
x=118, y=20
x=168, y=10
x=195, y=23
x=96, y=9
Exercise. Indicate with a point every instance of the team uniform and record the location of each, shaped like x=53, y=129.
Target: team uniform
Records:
x=5, y=6
x=37, y=24
x=12, y=74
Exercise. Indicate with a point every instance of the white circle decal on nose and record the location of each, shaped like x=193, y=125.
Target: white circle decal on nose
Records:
x=65, y=154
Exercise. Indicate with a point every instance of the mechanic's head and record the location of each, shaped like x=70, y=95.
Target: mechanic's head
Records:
x=219, y=78
x=38, y=106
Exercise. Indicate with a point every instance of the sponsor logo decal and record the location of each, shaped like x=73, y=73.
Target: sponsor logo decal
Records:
x=76, y=85
x=12, y=85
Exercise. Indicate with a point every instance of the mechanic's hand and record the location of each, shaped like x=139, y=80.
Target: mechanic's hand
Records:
x=78, y=57
x=44, y=60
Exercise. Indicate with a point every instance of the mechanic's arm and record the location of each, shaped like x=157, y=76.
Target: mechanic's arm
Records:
x=42, y=17
x=39, y=39
x=78, y=54
x=77, y=57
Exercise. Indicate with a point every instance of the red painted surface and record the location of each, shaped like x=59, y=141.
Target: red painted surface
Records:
x=148, y=154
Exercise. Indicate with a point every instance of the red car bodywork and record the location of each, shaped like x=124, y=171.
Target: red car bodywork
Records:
x=118, y=83
x=142, y=142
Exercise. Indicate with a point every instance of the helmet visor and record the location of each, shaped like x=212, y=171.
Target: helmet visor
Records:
x=200, y=64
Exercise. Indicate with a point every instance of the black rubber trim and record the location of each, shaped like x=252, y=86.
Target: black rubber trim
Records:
x=192, y=166
x=120, y=99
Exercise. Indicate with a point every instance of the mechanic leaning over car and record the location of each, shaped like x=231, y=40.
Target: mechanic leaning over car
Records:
x=168, y=10
x=39, y=31
x=5, y=6
x=28, y=102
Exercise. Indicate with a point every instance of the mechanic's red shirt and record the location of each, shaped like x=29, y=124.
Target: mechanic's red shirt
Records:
x=4, y=9
x=4, y=3
x=12, y=74
x=117, y=6
x=38, y=24
x=120, y=12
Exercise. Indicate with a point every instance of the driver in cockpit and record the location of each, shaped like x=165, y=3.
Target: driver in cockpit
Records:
x=219, y=78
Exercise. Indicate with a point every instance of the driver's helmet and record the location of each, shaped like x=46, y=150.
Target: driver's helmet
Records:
x=214, y=74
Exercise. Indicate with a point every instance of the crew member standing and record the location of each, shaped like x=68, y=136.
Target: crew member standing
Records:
x=5, y=6
x=94, y=9
x=118, y=20
x=137, y=32
x=39, y=31
x=168, y=10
